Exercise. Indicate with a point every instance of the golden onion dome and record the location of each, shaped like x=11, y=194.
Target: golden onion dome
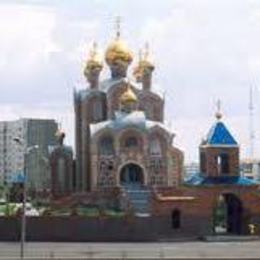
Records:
x=146, y=64
x=60, y=135
x=94, y=60
x=143, y=64
x=128, y=96
x=118, y=50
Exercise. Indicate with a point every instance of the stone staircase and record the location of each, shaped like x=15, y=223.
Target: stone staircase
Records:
x=139, y=198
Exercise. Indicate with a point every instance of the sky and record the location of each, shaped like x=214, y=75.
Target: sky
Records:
x=203, y=50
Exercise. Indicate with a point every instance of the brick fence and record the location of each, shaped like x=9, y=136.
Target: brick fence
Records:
x=93, y=229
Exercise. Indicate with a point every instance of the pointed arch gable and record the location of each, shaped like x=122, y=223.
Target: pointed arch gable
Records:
x=131, y=133
x=158, y=130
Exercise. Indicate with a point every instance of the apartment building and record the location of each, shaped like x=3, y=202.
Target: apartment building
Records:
x=30, y=153
x=250, y=168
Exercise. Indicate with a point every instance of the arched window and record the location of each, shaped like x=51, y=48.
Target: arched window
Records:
x=97, y=110
x=176, y=219
x=106, y=146
x=155, y=147
x=131, y=142
x=203, y=162
x=223, y=164
x=61, y=168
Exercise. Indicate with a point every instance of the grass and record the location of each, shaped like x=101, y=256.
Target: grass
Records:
x=8, y=210
x=114, y=213
x=87, y=212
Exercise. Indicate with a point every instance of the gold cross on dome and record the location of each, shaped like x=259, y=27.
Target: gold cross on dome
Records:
x=94, y=45
x=140, y=55
x=93, y=50
x=146, y=50
x=118, y=26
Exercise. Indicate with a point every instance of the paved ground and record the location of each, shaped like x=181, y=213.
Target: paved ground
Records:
x=185, y=250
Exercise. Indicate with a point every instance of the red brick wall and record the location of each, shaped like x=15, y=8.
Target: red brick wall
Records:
x=210, y=164
x=202, y=206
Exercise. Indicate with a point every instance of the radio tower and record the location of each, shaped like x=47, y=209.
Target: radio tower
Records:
x=251, y=123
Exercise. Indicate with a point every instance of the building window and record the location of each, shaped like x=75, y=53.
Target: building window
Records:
x=106, y=173
x=223, y=164
x=106, y=146
x=61, y=168
x=176, y=219
x=97, y=110
x=131, y=142
x=203, y=162
x=155, y=147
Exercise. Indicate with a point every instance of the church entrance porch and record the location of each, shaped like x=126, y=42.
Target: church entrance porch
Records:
x=131, y=175
x=228, y=215
x=138, y=195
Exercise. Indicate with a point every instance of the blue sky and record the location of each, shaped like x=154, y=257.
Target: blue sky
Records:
x=203, y=50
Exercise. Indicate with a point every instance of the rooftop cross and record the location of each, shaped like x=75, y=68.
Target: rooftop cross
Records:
x=140, y=55
x=118, y=27
x=218, y=105
x=146, y=50
x=93, y=50
x=218, y=113
x=94, y=46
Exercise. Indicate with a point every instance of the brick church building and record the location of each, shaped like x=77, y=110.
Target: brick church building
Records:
x=123, y=147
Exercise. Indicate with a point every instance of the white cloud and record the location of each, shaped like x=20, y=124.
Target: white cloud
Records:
x=26, y=37
x=203, y=50
x=206, y=50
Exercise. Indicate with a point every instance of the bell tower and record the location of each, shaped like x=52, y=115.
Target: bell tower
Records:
x=219, y=152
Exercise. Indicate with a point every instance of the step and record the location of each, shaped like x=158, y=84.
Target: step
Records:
x=138, y=191
x=139, y=197
x=143, y=215
x=231, y=238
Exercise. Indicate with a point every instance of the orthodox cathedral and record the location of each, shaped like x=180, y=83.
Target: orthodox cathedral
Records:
x=121, y=138
x=123, y=145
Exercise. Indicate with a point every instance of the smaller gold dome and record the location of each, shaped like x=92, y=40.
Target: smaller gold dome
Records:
x=146, y=62
x=128, y=96
x=94, y=61
x=60, y=135
x=143, y=64
x=118, y=49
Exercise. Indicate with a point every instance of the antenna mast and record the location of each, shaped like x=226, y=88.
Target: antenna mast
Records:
x=251, y=108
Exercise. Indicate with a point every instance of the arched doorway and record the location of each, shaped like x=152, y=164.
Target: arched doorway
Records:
x=131, y=175
x=176, y=219
x=228, y=215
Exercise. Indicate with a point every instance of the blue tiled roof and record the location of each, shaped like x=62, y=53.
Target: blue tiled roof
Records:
x=197, y=179
x=17, y=177
x=220, y=135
